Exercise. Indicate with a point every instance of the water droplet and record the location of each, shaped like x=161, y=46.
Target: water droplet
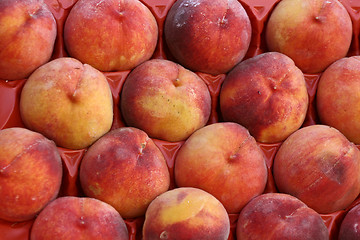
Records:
x=82, y=222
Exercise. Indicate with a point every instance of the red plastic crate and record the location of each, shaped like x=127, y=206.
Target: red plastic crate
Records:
x=258, y=11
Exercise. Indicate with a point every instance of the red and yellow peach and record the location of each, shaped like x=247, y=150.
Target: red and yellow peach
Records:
x=184, y=214
x=68, y=102
x=224, y=160
x=111, y=35
x=125, y=169
x=320, y=166
x=30, y=173
x=165, y=100
x=27, y=37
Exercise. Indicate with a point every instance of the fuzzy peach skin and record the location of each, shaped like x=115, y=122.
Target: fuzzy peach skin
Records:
x=30, y=173
x=125, y=169
x=186, y=214
x=111, y=35
x=27, y=37
x=165, y=100
x=67, y=101
x=79, y=218
x=337, y=98
x=224, y=160
x=267, y=94
x=279, y=216
x=318, y=165
x=314, y=33
x=350, y=225
x=209, y=36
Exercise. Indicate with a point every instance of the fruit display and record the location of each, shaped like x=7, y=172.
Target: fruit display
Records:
x=179, y=119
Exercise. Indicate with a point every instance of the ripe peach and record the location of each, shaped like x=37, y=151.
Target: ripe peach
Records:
x=30, y=173
x=125, y=169
x=350, y=225
x=67, y=101
x=338, y=101
x=79, y=218
x=110, y=35
x=266, y=94
x=279, y=216
x=209, y=36
x=186, y=213
x=224, y=160
x=27, y=37
x=318, y=165
x=165, y=100
x=309, y=32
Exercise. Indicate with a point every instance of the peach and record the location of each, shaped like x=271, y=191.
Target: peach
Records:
x=350, y=225
x=313, y=33
x=338, y=101
x=318, y=165
x=68, y=102
x=224, y=160
x=279, y=216
x=186, y=213
x=30, y=173
x=27, y=37
x=165, y=100
x=209, y=36
x=267, y=94
x=110, y=35
x=79, y=218
x=125, y=169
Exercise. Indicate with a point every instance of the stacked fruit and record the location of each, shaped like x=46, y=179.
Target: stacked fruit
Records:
x=187, y=119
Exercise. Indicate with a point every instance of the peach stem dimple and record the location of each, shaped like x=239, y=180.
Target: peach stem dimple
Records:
x=119, y=12
x=320, y=17
x=223, y=20
x=142, y=147
x=233, y=156
x=33, y=13
x=78, y=83
x=164, y=235
x=177, y=82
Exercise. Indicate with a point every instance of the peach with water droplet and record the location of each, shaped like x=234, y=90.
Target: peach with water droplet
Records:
x=206, y=35
x=165, y=100
x=125, y=169
x=267, y=94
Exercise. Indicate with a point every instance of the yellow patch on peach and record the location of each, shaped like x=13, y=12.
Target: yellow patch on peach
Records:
x=187, y=209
